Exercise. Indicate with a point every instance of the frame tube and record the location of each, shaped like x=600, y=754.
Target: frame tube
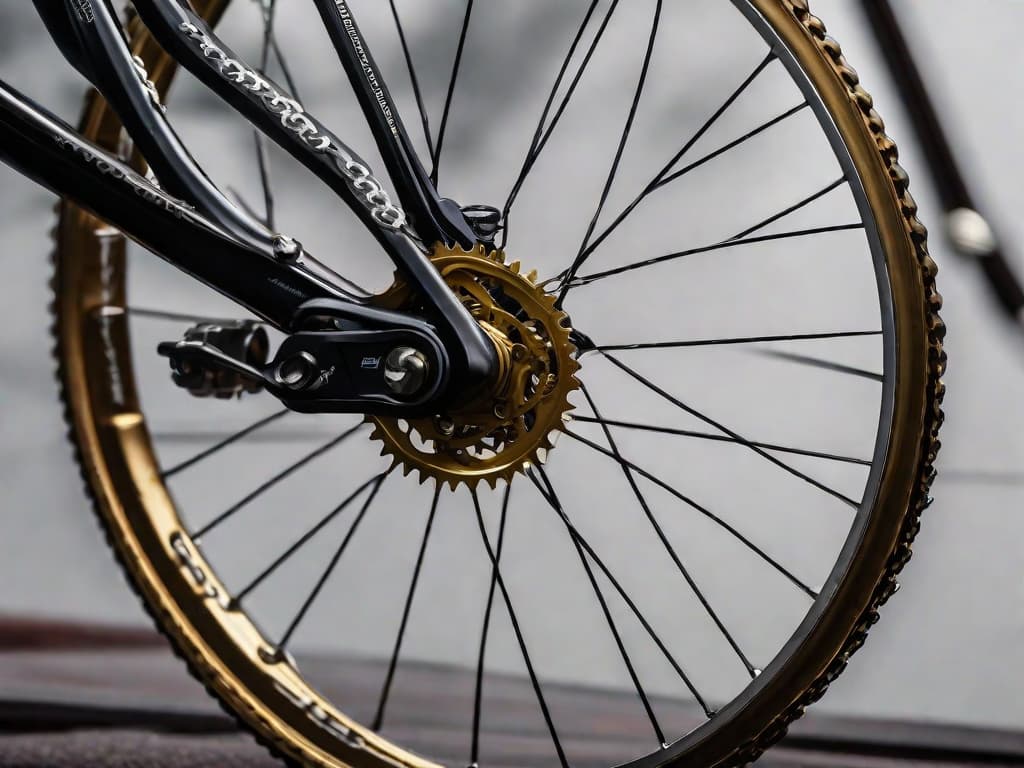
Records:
x=945, y=171
x=114, y=72
x=209, y=247
x=435, y=218
x=40, y=146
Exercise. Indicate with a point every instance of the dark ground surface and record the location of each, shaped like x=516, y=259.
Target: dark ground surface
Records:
x=83, y=697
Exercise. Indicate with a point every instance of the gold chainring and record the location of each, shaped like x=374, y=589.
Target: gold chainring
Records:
x=506, y=429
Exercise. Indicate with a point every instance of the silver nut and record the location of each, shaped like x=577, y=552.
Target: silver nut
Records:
x=286, y=248
x=405, y=370
x=444, y=425
x=297, y=372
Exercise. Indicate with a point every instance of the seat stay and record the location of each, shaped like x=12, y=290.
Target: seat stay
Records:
x=436, y=219
x=94, y=43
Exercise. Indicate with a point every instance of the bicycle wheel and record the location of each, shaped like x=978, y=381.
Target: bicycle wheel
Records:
x=738, y=413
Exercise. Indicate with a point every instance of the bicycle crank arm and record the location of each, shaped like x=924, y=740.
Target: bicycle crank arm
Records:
x=383, y=372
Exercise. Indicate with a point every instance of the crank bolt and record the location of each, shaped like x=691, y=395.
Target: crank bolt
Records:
x=297, y=372
x=444, y=425
x=501, y=410
x=405, y=370
x=519, y=353
x=286, y=249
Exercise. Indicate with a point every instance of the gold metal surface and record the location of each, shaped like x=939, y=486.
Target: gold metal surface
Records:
x=494, y=436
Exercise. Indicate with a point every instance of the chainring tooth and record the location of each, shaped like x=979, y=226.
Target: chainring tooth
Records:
x=491, y=440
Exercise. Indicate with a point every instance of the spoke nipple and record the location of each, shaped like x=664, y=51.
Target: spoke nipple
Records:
x=757, y=672
x=270, y=655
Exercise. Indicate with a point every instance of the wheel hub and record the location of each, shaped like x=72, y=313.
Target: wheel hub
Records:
x=510, y=426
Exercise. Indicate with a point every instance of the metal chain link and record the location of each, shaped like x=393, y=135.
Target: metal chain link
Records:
x=293, y=117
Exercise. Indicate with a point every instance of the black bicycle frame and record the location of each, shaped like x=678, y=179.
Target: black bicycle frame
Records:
x=950, y=183
x=189, y=222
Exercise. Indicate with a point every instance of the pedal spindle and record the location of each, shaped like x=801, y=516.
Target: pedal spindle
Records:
x=243, y=340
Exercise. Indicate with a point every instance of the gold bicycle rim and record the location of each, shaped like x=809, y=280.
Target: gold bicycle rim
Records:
x=226, y=650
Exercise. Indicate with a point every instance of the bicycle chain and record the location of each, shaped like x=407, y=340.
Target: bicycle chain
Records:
x=294, y=117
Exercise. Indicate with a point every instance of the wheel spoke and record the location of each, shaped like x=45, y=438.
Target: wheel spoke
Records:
x=731, y=145
x=485, y=631
x=826, y=365
x=308, y=603
x=623, y=141
x=230, y=440
x=721, y=427
x=542, y=134
x=149, y=313
x=268, y=9
x=303, y=540
x=463, y=34
x=722, y=245
x=519, y=634
x=271, y=45
x=702, y=510
x=660, y=176
x=630, y=603
x=669, y=549
x=417, y=91
x=245, y=204
x=791, y=209
x=722, y=439
x=263, y=164
x=266, y=486
x=389, y=678
x=286, y=70
x=737, y=340
x=599, y=594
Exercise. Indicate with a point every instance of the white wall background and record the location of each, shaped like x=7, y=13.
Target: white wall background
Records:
x=951, y=646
